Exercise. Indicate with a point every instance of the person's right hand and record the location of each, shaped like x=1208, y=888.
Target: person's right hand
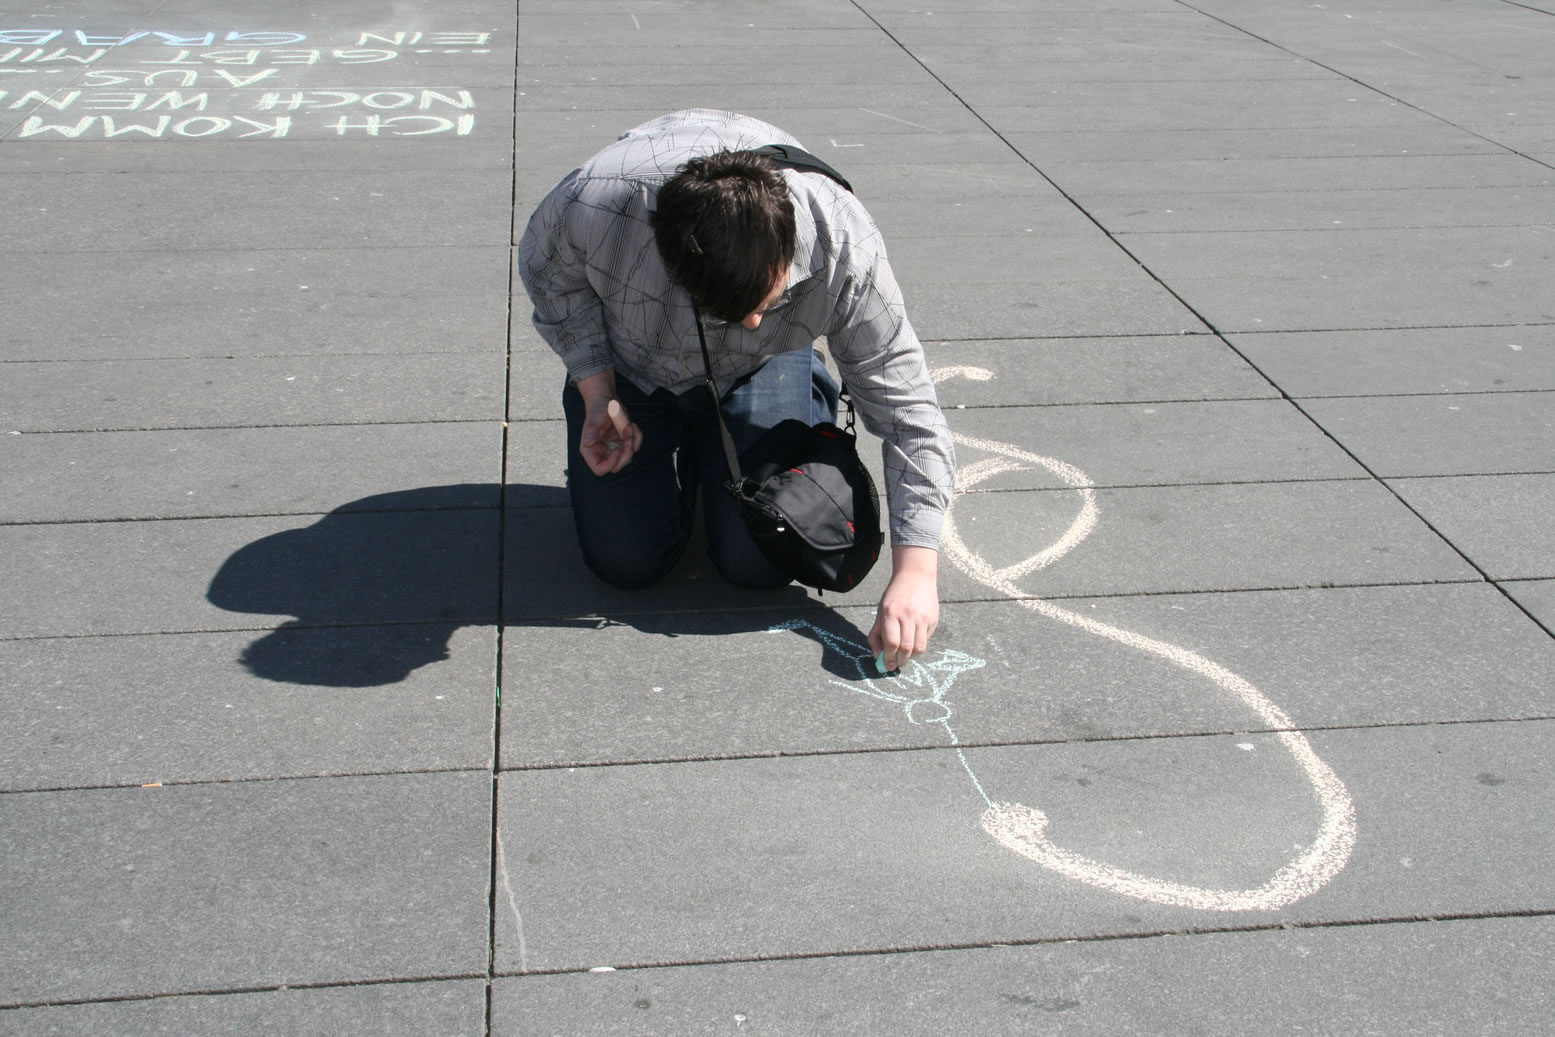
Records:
x=605, y=447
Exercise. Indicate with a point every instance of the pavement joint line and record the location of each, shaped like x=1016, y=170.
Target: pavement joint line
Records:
x=1508, y=473
x=1186, y=485
x=1128, y=402
x=1478, y=326
x=1040, y=743
x=245, y=356
x=1526, y=7
x=816, y=605
x=504, y=510
x=1470, y=475
x=1347, y=229
x=1047, y=941
x=1410, y=395
x=947, y=948
x=276, y=988
x=207, y=631
x=261, y=514
x=810, y=605
x=219, y=428
x=309, y=249
x=152, y=786
x=497, y=877
x=780, y=754
x=1286, y=192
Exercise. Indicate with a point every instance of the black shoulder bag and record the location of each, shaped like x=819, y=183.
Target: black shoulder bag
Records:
x=804, y=495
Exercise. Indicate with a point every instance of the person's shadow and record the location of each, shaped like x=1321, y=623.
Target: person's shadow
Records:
x=377, y=587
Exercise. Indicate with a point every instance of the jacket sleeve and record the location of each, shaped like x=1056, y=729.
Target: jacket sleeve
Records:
x=553, y=264
x=884, y=367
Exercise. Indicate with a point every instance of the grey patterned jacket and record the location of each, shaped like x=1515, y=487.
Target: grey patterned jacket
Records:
x=603, y=299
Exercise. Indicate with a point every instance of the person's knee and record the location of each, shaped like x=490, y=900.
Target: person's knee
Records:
x=743, y=565
x=628, y=565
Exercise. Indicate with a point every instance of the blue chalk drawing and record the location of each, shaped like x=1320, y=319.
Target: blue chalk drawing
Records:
x=902, y=687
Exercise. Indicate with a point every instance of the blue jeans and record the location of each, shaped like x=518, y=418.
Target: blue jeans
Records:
x=633, y=525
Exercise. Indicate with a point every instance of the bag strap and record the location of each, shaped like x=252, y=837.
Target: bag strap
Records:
x=735, y=477
x=793, y=157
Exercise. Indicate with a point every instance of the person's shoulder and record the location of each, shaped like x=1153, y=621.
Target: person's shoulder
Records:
x=836, y=212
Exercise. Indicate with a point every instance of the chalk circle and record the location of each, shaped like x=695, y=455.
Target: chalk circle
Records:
x=928, y=711
x=1023, y=829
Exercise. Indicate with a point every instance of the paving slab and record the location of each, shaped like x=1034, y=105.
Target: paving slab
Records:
x=237, y=302
x=1172, y=212
x=1090, y=370
x=1012, y=178
x=1173, y=539
x=1478, y=434
x=1070, y=36
x=1337, y=279
x=919, y=105
x=907, y=222
x=1478, y=975
x=195, y=889
x=433, y=567
x=1013, y=257
x=451, y=1007
x=812, y=25
x=1096, y=179
x=237, y=706
x=1002, y=672
x=185, y=473
x=883, y=851
x=1077, y=145
x=1136, y=305
x=559, y=52
x=1211, y=106
x=1501, y=522
x=88, y=395
x=1405, y=360
x=1003, y=82
x=616, y=68
x=1163, y=444
x=134, y=212
x=537, y=464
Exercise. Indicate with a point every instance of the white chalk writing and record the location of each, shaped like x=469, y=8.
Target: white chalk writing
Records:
x=228, y=83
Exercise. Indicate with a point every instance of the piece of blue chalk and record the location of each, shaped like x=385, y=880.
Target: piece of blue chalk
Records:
x=880, y=661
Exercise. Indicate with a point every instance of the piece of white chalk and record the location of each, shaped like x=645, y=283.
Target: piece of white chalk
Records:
x=617, y=415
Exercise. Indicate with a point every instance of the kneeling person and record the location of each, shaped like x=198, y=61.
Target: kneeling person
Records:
x=680, y=221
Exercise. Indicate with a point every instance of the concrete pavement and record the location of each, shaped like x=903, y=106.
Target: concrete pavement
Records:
x=1240, y=714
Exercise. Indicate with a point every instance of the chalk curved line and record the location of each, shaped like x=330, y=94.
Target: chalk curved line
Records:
x=1023, y=829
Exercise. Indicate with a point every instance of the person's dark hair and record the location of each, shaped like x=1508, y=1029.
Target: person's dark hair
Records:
x=725, y=229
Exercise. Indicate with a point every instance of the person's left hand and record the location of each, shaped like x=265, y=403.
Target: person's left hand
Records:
x=909, y=608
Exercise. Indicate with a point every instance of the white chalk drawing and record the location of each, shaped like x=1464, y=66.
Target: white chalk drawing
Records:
x=1023, y=829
